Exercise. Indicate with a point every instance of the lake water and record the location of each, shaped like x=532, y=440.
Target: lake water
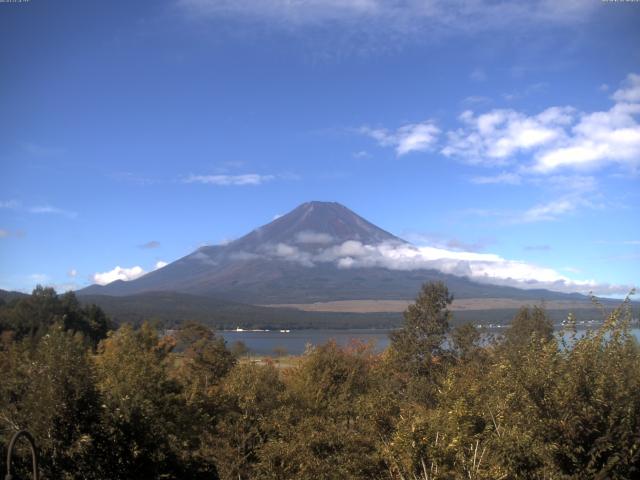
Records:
x=295, y=342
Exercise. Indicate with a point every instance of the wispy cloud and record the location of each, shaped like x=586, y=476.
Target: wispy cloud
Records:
x=413, y=137
x=564, y=195
x=150, y=245
x=449, y=243
x=478, y=75
x=537, y=248
x=532, y=89
x=48, y=209
x=619, y=242
x=160, y=264
x=42, y=150
x=230, y=180
x=311, y=237
x=476, y=100
x=360, y=154
x=135, y=178
x=409, y=17
x=39, y=277
x=38, y=209
x=547, y=211
x=508, y=178
x=9, y=204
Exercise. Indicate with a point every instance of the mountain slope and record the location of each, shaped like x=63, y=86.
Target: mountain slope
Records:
x=7, y=296
x=300, y=258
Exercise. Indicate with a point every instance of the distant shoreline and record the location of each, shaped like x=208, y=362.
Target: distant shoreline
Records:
x=397, y=306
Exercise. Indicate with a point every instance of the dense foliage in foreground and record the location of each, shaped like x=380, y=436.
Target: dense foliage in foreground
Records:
x=437, y=404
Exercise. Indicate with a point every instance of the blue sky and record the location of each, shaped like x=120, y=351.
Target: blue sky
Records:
x=502, y=134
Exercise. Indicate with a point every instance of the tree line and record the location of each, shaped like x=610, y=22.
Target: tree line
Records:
x=438, y=403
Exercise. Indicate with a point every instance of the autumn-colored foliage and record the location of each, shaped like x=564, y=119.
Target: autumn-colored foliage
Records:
x=437, y=404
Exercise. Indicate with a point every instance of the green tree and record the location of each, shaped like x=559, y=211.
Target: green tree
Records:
x=205, y=359
x=253, y=393
x=466, y=341
x=323, y=431
x=529, y=324
x=48, y=388
x=32, y=316
x=152, y=429
x=416, y=349
x=239, y=349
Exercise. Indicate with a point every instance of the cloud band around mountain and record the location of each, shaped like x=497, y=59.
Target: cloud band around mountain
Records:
x=481, y=267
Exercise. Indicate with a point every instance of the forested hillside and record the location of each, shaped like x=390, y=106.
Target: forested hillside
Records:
x=439, y=403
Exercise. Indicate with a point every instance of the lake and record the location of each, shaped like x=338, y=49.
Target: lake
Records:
x=295, y=341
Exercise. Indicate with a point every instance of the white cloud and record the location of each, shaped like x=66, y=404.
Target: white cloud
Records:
x=230, y=180
x=4, y=233
x=494, y=138
x=630, y=91
x=597, y=139
x=160, y=263
x=482, y=267
x=118, y=273
x=413, y=137
x=72, y=273
x=557, y=138
x=289, y=253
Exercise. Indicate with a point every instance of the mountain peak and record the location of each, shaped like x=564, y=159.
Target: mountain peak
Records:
x=320, y=203
x=316, y=223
